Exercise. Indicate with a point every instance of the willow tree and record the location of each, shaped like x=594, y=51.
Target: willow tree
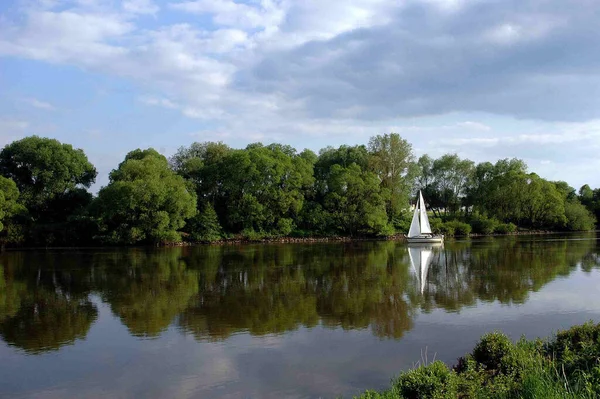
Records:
x=145, y=201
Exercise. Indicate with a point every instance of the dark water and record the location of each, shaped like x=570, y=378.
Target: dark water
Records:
x=272, y=321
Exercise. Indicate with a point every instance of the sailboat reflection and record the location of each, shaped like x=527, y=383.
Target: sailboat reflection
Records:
x=421, y=257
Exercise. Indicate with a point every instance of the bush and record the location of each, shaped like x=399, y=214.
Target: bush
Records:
x=577, y=351
x=447, y=229
x=436, y=225
x=460, y=228
x=492, y=350
x=432, y=381
x=505, y=228
x=483, y=225
x=252, y=235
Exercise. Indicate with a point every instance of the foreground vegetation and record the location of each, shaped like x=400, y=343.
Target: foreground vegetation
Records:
x=209, y=191
x=567, y=366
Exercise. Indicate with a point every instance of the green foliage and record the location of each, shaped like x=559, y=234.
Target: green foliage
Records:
x=579, y=218
x=354, y=202
x=391, y=159
x=43, y=168
x=434, y=381
x=272, y=191
x=577, y=352
x=447, y=229
x=460, y=228
x=145, y=201
x=204, y=226
x=9, y=194
x=565, y=367
x=492, y=351
x=445, y=182
x=483, y=225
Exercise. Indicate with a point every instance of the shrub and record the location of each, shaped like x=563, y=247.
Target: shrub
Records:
x=483, y=225
x=252, y=235
x=447, y=229
x=505, y=228
x=492, y=350
x=460, y=228
x=577, y=351
x=436, y=225
x=433, y=381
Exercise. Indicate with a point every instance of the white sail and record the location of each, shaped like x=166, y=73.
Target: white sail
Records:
x=415, y=228
x=425, y=227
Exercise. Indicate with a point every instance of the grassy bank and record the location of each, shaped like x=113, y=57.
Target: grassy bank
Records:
x=566, y=366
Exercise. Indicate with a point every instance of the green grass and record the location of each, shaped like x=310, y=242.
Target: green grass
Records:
x=566, y=366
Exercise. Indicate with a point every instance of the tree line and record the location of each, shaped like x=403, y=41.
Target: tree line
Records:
x=210, y=191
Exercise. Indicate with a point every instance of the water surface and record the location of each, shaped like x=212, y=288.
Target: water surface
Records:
x=272, y=321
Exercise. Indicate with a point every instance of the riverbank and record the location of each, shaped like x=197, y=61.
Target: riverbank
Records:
x=565, y=366
x=396, y=237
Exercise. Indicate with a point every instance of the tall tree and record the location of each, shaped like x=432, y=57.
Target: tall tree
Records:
x=43, y=169
x=145, y=201
x=392, y=160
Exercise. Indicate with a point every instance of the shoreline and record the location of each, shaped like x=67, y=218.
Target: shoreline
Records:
x=291, y=240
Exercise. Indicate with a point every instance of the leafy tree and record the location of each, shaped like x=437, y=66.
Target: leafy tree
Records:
x=43, y=169
x=205, y=225
x=145, y=201
x=579, y=218
x=354, y=201
x=445, y=182
x=392, y=160
x=9, y=194
x=263, y=188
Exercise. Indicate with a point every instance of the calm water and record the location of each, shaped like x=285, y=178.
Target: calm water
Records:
x=272, y=321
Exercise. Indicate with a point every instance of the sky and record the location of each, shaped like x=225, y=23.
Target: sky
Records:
x=486, y=79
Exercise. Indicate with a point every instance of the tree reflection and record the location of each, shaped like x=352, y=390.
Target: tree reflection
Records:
x=44, y=302
x=272, y=289
x=212, y=292
x=146, y=289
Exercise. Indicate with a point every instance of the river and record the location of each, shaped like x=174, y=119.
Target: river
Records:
x=275, y=320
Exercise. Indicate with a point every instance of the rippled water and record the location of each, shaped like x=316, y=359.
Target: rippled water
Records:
x=272, y=321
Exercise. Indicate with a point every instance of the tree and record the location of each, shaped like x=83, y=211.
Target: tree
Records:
x=9, y=194
x=145, y=201
x=43, y=169
x=445, y=182
x=205, y=225
x=392, y=160
x=354, y=201
x=579, y=218
x=263, y=188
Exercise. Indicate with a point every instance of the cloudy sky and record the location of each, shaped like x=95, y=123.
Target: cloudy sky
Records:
x=485, y=79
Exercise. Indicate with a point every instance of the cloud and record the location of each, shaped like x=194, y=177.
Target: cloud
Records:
x=140, y=7
x=315, y=72
x=39, y=104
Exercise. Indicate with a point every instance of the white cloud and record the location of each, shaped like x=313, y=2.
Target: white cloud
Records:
x=140, y=6
x=162, y=102
x=34, y=102
x=341, y=70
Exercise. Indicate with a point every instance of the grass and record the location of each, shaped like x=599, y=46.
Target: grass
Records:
x=566, y=366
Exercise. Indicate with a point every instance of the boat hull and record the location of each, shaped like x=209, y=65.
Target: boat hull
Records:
x=425, y=240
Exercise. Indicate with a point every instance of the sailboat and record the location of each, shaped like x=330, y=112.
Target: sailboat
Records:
x=420, y=230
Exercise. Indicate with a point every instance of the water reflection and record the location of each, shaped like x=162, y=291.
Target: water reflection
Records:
x=212, y=293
